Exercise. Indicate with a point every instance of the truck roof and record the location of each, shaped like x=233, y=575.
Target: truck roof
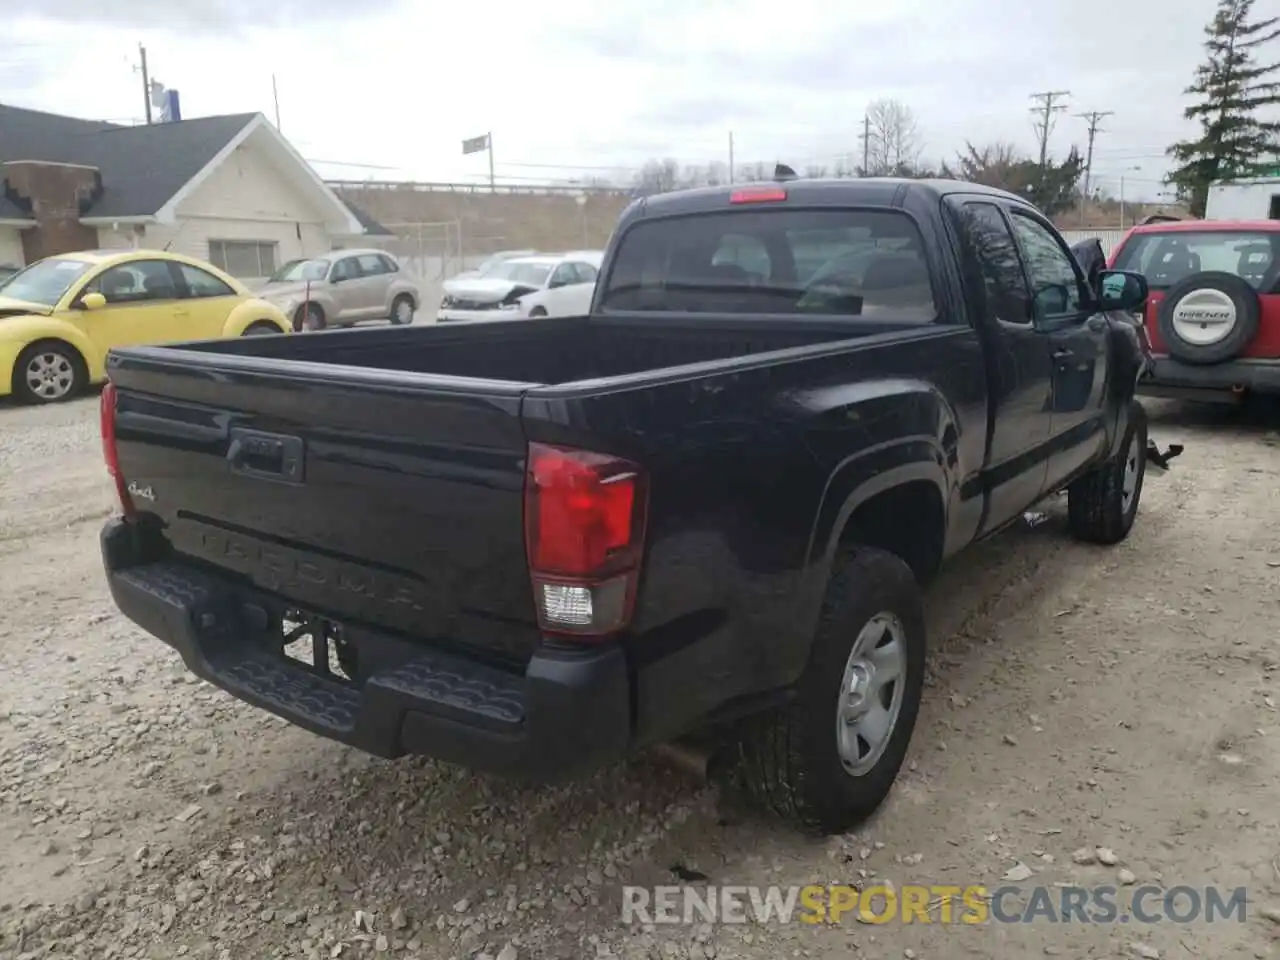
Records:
x=873, y=191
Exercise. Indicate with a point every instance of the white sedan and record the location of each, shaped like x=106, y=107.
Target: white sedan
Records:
x=551, y=285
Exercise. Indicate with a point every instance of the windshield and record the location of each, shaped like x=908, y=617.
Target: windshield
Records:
x=533, y=274
x=296, y=270
x=782, y=261
x=44, y=282
x=1169, y=258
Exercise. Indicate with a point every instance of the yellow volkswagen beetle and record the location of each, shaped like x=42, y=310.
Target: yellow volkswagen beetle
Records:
x=60, y=316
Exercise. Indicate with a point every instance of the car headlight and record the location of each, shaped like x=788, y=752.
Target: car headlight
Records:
x=446, y=302
x=514, y=305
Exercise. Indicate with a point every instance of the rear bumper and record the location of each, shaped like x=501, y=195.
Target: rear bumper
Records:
x=1257, y=376
x=569, y=711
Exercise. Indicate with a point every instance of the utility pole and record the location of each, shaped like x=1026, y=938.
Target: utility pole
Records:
x=1094, y=117
x=146, y=82
x=1048, y=106
x=731, y=156
x=866, y=143
x=489, y=140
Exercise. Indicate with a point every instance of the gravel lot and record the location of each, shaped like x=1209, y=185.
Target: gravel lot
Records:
x=1078, y=698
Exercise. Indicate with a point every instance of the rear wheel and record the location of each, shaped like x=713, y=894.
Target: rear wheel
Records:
x=48, y=372
x=829, y=758
x=260, y=328
x=1103, y=504
x=402, y=310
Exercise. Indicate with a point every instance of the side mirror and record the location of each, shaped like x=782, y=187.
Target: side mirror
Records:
x=93, y=301
x=1121, y=290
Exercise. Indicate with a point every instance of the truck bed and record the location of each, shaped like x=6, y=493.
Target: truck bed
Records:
x=552, y=351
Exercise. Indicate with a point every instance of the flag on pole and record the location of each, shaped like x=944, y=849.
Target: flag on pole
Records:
x=475, y=145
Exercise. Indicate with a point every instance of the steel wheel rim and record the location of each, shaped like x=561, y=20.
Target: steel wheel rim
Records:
x=871, y=693
x=1129, y=480
x=404, y=311
x=50, y=375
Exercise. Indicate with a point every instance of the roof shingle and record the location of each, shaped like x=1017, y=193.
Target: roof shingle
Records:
x=142, y=167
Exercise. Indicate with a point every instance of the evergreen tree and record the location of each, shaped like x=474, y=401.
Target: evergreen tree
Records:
x=1231, y=88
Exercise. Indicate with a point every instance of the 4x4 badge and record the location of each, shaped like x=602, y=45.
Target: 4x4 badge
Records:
x=142, y=493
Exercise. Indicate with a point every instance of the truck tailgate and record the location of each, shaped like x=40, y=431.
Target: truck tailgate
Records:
x=396, y=505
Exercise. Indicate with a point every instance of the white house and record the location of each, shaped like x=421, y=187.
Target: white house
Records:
x=227, y=189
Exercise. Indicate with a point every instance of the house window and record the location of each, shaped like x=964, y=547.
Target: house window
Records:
x=243, y=258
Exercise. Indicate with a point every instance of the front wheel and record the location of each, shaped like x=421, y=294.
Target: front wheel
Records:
x=310, y=317
x=537, y=312
x=1103, y=504
x=48, y=373
x=829, y=757
x=260, y=328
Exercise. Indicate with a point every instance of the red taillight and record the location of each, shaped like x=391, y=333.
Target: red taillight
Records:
x=584, y=533
x=110, y=452
x=758, y=195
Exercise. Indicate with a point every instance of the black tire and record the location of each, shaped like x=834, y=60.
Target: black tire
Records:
x=309, y=317
x=537, y=312
x=789, y=758
x=1097, y=509
x=67, y=371
x=1244, y=302
x=260, y=328
x=396, y=304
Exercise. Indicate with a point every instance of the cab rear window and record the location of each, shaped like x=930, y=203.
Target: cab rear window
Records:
x=1166, y=259
x=858, y=263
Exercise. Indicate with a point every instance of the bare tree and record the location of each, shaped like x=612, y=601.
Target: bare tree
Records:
x=894, y=143
x=657, y=176
x=815, y=172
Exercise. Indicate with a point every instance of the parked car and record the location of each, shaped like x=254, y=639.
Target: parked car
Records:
x=342, y=288
x=569, y=293
x=60, y=316
x=7, y=270
x=504, y=288
x=1213, y=318
x=708, y=504
x=491, y=261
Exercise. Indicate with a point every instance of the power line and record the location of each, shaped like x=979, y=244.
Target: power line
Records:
x=1048, y=106
x=1094, y=117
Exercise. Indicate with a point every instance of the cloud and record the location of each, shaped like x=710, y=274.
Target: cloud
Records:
x=206, y=16
x=571, y=87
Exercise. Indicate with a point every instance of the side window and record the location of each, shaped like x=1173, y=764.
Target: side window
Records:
x=388, y=265
x=371, y=265
x=563, y=275
x=345, y=269
x=1005, y=286
x=586, y=272
x=138, y=281
x=201, y=283
x=740, y=252
x=1055, y=284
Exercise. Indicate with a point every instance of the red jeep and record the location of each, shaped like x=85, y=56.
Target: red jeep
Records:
x=1213, y=317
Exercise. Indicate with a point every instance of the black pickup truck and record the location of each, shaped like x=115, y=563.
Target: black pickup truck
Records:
x=532, y=547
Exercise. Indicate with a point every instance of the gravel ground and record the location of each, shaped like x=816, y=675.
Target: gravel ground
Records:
x=1079, y=698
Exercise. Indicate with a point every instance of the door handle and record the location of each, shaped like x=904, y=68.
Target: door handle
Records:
x=1062, y=353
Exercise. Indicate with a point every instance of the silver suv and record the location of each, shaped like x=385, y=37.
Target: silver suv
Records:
x=343, y=288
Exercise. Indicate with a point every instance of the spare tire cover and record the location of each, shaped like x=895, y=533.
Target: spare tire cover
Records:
x=1209, y=317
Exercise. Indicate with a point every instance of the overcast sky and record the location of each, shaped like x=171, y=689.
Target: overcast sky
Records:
x=571, y=88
